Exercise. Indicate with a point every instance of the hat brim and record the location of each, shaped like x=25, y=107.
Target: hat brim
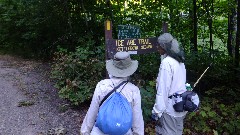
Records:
x=114, y=71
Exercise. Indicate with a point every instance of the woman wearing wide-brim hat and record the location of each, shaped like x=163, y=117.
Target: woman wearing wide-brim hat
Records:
x=119, y=69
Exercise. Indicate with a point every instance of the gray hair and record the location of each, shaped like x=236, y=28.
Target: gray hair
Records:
x=167, y=42
x=171, y=46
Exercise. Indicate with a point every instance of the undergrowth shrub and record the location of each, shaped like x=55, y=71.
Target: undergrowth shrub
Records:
x=77, y=73
x=148, y=99
x=148, y=66
x=213, y=118
x=220, y=73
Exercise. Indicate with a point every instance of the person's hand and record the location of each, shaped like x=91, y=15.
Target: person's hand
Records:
x=159, y=115
x=154, y=117
x=156, y=112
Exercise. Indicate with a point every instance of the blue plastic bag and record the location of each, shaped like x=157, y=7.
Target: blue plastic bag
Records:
x=115, y=115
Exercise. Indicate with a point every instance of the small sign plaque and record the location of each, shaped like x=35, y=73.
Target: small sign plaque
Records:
x=128, y=31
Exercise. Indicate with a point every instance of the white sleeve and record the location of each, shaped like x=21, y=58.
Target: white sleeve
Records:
x=91, y=115
x=164, y=81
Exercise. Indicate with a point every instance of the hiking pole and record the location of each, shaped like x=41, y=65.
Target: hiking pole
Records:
x=201, y=76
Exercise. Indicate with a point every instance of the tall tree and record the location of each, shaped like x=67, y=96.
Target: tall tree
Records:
x=231, y=15
x=208, y=6
x=237, y=36
x=195, y=25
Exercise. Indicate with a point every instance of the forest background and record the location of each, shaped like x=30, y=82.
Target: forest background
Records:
x=70, y=34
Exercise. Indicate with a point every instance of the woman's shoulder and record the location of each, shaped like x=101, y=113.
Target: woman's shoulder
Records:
x=104, y=84
x=169, y=62
x=104, y=81
x=133, y=87
x=168, y=59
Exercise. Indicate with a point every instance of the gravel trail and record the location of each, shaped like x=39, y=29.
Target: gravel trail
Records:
x=29, y=103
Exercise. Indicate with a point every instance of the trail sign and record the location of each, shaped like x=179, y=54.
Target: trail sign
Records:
x=129, y=40
x=133, y=46
x=128, y=31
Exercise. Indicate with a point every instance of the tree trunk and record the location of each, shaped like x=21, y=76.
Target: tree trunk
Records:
x=210, y=35
x=230, y=32
x=237, y=36
x=195, y=25
x=210, y=28
x=209, y=11
x=191, y=26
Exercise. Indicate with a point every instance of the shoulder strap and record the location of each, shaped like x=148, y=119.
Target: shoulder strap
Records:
x=114, y=89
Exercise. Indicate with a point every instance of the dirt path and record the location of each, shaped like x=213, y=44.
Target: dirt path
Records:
x=29, y=102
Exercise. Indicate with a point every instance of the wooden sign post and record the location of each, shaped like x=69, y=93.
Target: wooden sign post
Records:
x=108, y=36
x=164, y=27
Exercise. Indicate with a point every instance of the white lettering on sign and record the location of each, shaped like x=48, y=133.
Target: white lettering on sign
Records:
x=128, y=48
x=146, y=47
x=131, y=42
x=144, y=41
x=119, y=42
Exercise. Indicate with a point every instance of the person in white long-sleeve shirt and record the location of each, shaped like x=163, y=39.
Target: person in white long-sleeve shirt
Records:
x=171, y=79
x=120, y=68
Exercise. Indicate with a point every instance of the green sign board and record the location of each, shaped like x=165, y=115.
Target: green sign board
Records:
x=128, y=31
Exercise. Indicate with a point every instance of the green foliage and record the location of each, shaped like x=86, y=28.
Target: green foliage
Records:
x=77, y=73
x=148, y=99
x=35, y=28
x=20, y=33
x=148, y=66
x=221, y=72
x=214, y=116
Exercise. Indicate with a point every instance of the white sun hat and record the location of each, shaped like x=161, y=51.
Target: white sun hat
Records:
x=122, y=65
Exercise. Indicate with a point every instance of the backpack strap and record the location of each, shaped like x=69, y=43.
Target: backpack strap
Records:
x=175, y=95
x=123, y=87
x=114, y=89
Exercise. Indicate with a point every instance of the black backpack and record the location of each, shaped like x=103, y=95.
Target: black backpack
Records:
x=187, y=101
